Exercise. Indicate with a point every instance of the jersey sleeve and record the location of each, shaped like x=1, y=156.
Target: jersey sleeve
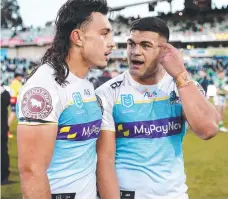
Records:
x=38, y=104
x=106, y=101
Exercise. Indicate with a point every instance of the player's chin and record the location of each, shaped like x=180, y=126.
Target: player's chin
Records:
x=102, y=65
x=135, y=71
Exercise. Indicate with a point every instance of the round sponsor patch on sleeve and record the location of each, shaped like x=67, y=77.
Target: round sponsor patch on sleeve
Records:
x=36, y=103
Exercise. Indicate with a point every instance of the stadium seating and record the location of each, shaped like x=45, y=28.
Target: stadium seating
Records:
x=203, y=24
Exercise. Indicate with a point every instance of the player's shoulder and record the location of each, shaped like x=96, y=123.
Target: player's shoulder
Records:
x=167, y=82
x=113, y=83
x=41, y=82
x=169, y=78
x=43, y=76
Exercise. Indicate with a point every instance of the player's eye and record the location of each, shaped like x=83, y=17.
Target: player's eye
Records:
x=131, y=44
x=105, y=33
x=146, y=46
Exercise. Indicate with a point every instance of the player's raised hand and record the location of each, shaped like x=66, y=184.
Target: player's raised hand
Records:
x=170, y=58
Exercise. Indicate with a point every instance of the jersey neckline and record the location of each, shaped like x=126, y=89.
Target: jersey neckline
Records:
x=72, y=77
x=135, y=83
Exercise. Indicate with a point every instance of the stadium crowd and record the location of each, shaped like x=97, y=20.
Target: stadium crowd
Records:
x=24, y=67
x=215, y=21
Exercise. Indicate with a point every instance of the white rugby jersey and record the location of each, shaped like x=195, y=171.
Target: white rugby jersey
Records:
x=149, y=127
x=75, y=110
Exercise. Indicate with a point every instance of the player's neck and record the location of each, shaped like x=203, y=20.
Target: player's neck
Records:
x=153, y=78
x=77, y=65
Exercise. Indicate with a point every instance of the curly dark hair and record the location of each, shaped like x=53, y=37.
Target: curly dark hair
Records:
x=73, y=14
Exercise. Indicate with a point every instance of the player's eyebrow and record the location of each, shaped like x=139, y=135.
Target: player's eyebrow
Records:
x=130, y=40
x=142, y=42
x=107, y=29
x=147, y=42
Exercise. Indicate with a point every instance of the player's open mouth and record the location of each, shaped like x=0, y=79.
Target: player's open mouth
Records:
x=107, y=54
x=137, y=62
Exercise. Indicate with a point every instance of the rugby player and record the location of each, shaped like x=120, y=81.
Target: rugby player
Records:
x=145, y=111
x=220, y=97
x=59, y=117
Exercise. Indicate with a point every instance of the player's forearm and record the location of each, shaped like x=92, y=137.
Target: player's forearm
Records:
x=34, y=185
x=200, y=114
x=107, y=181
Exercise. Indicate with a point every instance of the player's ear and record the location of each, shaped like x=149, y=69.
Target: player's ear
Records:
x=76, y=37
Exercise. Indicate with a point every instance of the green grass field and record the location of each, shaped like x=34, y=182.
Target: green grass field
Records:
x=206, y=165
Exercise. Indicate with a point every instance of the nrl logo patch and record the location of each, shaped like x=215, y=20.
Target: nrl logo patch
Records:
x=78, y=99
x=127, y=100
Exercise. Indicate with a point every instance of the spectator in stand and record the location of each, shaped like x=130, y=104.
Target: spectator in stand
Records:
x=114, y=73
x=5, y=102
x=15, y=87
x=203, y=81
x=94, y=81
x=104, y=78
x=220, y=98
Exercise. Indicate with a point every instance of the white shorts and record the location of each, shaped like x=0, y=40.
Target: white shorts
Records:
x=184, y=196
x=219, y=100
x=80, y=189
